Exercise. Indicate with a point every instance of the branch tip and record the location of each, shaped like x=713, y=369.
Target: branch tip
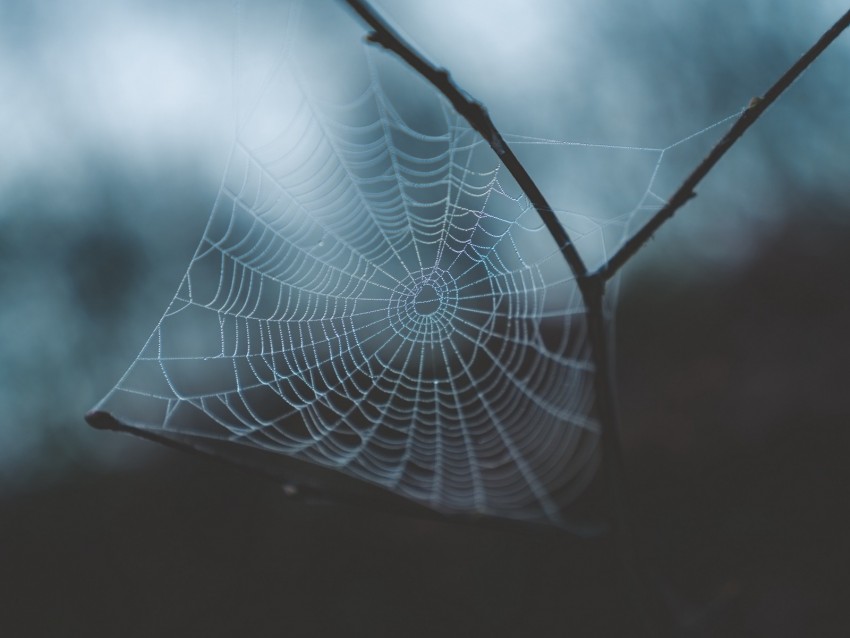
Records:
x=101, y=420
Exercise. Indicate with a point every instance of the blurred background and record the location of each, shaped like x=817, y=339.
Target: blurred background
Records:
x=115, y=124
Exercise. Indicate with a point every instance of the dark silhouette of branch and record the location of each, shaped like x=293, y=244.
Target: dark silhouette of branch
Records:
x=478, y=118
x=685, y=192
x=648, y=607
x=304, y=482
x=299, y=483
x=592, y=290
x=592, y=285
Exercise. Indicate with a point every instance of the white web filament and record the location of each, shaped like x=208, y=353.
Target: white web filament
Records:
x=383, y=302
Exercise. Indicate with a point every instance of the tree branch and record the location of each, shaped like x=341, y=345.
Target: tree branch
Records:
x=478, y=118
x=299, y=481
x=685, y=192
x=592, y=285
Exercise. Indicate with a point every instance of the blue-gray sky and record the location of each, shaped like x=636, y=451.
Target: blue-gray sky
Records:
x=116, y=119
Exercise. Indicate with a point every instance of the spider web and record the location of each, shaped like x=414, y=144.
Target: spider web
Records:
x=378, y=297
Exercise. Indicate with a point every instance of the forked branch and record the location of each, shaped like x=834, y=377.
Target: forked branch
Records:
x=476, y=115
x=592, y=285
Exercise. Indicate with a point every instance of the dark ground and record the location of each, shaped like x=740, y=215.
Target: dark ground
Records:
x=735, y=405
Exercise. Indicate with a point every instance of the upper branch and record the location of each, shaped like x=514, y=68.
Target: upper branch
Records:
x=750, y=115
x=478, y=118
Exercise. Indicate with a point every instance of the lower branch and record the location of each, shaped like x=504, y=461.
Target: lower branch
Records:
x=643, y=592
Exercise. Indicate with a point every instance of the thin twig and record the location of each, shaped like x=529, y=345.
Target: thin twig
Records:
x=478, y=118
x=299, y=481
x=648, y=607
x=592, y=290
x=686, y=190
x=592, y=285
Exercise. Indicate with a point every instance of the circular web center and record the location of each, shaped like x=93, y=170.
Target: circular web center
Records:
x=427, y=302
x=423, y=306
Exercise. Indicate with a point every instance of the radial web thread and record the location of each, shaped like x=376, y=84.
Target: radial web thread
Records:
x=384, y=302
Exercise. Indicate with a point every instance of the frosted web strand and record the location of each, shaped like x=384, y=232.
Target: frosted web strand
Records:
x=380, y=299
x=649, y=200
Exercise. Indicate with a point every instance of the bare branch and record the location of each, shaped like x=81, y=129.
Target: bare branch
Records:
x=478, y=118
x=685, y=192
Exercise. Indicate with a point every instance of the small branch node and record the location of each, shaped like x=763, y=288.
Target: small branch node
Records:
x=754, y=102
x=593, y=284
